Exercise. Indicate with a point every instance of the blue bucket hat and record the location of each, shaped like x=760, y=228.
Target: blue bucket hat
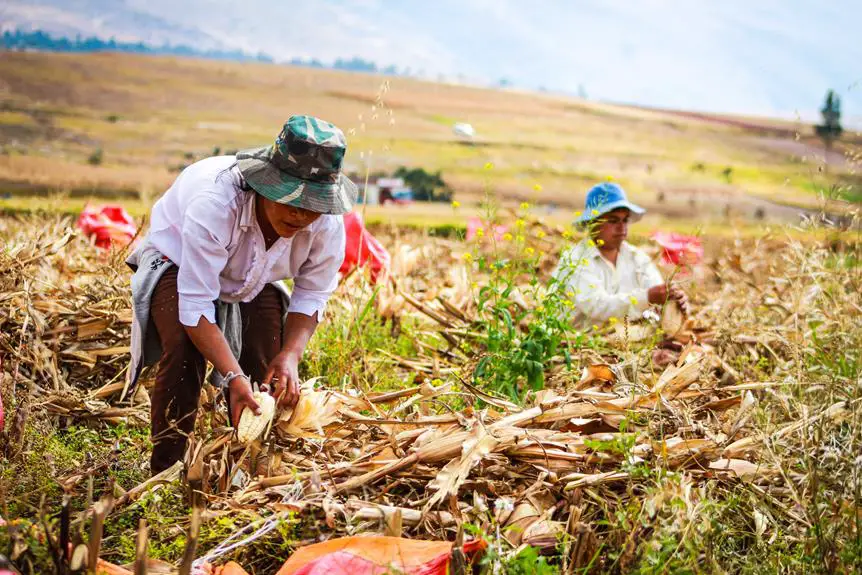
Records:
x=607, y=197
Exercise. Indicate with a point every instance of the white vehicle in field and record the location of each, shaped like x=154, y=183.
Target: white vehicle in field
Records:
x=464, y=131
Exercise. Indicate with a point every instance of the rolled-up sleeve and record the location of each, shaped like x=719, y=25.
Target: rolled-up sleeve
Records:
x=205, y=236
x=318, y=276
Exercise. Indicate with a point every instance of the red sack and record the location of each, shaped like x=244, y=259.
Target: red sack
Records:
x=375, y=555
x=679, y=249
x=362, y=248
x=109, y=224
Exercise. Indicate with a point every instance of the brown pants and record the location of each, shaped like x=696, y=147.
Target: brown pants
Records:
x=181, y=369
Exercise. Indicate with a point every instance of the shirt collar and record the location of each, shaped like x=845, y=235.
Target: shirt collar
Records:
x=591, y=252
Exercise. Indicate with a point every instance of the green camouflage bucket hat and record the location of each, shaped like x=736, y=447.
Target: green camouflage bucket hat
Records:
x=302, y=168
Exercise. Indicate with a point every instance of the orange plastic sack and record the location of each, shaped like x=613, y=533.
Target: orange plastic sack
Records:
x=362, y=248
x=110, y=224
x=375, y=555
x=230, y=568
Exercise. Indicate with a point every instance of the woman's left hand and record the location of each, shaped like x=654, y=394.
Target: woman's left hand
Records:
x=283, y=377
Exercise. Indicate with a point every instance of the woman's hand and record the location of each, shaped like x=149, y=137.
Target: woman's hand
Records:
x=283, y=376
x=659, y=295
x=681, y=298
x=241, y=397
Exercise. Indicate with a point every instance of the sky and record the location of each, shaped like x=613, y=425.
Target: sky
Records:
x=754, y=57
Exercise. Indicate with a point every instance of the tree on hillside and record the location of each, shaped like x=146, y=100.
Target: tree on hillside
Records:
x=426, y=186
x=830, y=130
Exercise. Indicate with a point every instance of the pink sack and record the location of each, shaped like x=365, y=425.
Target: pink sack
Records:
x=362, y=248
x=679, y=249
x=474, y=223
x=110, y=224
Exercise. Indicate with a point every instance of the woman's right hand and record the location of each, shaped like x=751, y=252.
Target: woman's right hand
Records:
x=241, y=397
x=659, y=294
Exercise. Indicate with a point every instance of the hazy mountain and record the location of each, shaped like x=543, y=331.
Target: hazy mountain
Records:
x=771, y=57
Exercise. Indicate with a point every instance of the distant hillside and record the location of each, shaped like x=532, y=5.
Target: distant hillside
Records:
x=110, y=122
x=39, y=40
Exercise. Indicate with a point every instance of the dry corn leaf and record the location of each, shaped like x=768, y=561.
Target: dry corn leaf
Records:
x=477, y=445
x=742, y=468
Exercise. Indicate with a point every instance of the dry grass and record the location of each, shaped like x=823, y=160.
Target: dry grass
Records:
x=748, y=463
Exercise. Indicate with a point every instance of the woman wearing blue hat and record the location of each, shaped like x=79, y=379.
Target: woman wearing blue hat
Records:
x=606, y=276
x=207, y=284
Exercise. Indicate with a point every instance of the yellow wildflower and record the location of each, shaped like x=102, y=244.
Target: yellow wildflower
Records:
x=529, y=251
x=567, y=234
x=591, y=243
x=520, y=223
x=456, y=204
x=634, y=300
x=537, y=187
x=525, y=205
x=609, y=178
x=595, y=327
x=480, y=232
x=600, y=242
x=467, y=257
x=595, y=212
x=578, y=214
x=489, y=166
x=507, y=237
x=612, y=320
x=519, y=238
x=540, y=234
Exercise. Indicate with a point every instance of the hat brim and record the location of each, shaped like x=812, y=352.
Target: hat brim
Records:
x=637, y=212
x=283, y=188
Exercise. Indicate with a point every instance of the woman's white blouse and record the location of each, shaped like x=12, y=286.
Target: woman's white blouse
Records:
x=205, y=223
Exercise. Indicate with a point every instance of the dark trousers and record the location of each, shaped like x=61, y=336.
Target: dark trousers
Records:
x=180, y=374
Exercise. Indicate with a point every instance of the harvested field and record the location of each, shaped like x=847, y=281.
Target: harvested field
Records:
x=450, y=401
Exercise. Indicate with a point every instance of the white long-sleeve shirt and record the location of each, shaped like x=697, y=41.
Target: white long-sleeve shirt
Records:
x=206, y=224
x=601, y=290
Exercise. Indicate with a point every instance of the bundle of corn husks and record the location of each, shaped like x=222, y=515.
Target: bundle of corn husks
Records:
x=390, y=457
x=64, y=319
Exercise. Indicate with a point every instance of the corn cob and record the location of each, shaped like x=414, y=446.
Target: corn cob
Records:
x=251, y=426
x=672, y=319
